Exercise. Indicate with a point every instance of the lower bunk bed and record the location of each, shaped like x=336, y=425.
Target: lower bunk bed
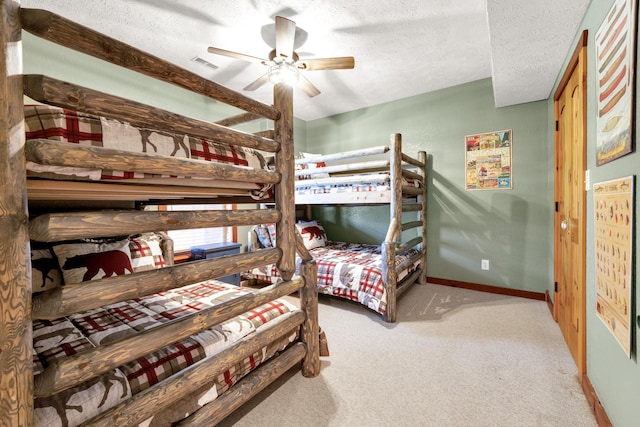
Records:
x=121, y=336
x=57, y=339
x=353, y=271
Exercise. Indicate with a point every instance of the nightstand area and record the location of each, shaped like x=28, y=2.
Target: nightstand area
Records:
x=215, y=250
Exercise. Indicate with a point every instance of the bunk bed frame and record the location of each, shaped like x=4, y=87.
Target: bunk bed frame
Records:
x=395, y=166
x=390, y=165
x=17, y=385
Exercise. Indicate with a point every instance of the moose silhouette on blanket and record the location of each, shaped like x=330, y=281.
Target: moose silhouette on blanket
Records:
x=112, y=262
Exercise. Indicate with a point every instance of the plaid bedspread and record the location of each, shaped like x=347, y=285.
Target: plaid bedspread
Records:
x=349, y=270
x=58, y=124
x=64, y=337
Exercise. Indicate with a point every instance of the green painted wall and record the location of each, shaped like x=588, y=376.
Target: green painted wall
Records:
x=615, y=377
x=510, y=228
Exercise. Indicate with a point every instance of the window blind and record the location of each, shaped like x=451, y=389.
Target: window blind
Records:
x=186, y=239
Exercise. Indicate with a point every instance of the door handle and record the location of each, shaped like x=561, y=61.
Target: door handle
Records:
x=563, y=224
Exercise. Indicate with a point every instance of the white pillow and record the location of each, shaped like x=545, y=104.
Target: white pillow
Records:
x=313, y=234
x=81, y=262
x=146, y=252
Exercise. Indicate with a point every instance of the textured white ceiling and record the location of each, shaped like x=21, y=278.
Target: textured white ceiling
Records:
x=401, y=48
x=529, y=43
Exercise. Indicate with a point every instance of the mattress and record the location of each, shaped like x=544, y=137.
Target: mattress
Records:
x=365, y=183
x=56, y=339
x=349, y=270
x=63, y=125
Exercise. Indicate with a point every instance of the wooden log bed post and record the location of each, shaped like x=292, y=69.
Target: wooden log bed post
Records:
x=16, y=372
x=284, y=196
x=310, y=329
x=286, y=237
x=389, y=275
x=422, y=199
x=390, y=244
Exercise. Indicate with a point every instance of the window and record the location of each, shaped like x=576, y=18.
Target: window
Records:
x=184, y=240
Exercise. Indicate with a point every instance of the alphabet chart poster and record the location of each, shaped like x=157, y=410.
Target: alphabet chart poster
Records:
x=613, y=204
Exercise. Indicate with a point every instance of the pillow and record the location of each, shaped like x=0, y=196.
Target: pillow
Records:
x=93, y=260
x=45, y=272
x=146, y=252
x=311, y=165
x=264, y=238
x=272, y=233
x=312, y=233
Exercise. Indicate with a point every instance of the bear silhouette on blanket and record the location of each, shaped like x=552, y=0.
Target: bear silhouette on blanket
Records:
x=111, y=262
x=313, y=232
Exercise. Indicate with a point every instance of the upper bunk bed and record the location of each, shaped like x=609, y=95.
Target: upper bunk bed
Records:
x=111, y=266
x=373, y=275
x=377, y=175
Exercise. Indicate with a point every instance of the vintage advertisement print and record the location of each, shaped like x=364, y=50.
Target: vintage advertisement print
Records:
x=615, y=60
x=488, y=160
x=613, y=204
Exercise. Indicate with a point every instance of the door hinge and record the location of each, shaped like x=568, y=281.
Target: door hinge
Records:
x=555, y=286
x=557, y=125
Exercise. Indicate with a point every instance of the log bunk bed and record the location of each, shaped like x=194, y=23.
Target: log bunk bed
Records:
x=47, y=377
x=373, y=275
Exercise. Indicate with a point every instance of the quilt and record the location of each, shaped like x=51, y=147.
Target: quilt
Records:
x=349, y=270
x=56, y=339
x=64, y=125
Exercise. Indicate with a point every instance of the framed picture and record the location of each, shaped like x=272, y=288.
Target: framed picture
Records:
x=615, y=67
x=614, y=219
x=488, y=160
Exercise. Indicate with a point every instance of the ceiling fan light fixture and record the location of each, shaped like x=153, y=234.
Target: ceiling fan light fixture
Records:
x=285, y=73
x=285, y=64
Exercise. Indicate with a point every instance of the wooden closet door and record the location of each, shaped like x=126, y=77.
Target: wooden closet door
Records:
x=570, y=215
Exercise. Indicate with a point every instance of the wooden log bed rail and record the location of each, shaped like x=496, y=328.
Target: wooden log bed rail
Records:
x=19, y=228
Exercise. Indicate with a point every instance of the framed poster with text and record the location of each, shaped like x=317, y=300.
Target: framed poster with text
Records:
x=615, y=65
x=613, y=219
x=488, y=161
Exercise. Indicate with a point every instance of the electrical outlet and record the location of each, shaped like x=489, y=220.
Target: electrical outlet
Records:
x=485, y=264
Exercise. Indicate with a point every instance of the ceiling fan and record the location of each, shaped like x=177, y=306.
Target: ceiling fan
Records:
x=284, y=63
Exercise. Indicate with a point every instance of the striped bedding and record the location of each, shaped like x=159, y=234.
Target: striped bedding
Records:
x=349, y=270
x=377, y=183
x=56, y=339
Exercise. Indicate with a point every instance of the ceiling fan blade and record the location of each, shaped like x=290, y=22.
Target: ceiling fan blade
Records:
x=242, y=56
x=285, y=37
x=308, y=87
x=341, y=63
x=257, y=83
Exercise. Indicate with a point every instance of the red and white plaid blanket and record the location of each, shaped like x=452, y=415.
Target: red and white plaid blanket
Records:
x=58, y=124
x=64, y=337
x=349, y=270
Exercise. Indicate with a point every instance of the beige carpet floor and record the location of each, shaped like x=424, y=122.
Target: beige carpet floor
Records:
x=454, y=358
